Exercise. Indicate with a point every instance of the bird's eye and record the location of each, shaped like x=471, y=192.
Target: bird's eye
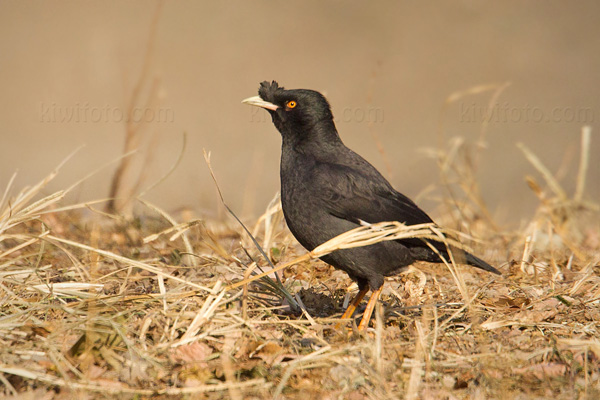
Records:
x=290, y=104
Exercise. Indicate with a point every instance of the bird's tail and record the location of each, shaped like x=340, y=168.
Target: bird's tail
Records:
x=423, y=253
x=479, y=263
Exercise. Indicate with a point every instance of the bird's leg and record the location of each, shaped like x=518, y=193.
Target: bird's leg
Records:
x=353, y=304
x=364, y=322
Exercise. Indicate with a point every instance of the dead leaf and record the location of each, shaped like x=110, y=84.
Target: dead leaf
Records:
x=541, y=371
x=269, y=352
x=512, y=302
x=191, y=353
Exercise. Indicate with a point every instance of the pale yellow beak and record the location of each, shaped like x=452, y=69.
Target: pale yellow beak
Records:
x=258, y=102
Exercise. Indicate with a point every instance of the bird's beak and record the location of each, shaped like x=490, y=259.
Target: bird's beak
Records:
x=257, y=101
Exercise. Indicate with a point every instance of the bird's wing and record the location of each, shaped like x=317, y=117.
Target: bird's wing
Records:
x=364, y=195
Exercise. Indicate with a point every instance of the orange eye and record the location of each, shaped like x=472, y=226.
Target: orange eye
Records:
x=290, y=104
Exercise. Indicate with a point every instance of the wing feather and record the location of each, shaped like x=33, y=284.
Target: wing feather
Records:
x=364, y=195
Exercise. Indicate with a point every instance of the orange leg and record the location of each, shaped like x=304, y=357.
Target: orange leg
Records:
x=353, y=304
x=364, y=322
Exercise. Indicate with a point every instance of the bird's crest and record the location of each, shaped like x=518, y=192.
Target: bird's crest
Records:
x=267, y=90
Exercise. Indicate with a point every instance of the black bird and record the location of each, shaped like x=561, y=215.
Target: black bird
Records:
x=328, y=189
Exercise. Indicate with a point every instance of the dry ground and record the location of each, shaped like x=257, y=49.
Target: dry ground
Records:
x=96, y=306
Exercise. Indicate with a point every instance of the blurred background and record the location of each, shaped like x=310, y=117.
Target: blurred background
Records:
x=396, y=73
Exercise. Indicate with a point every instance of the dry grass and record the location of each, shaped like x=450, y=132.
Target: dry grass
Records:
x=93, y=306
x=128, y=177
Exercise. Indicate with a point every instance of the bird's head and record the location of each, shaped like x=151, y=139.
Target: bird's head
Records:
x=300, y=113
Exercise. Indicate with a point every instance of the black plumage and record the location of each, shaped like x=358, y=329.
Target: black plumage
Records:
x=328, y=189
